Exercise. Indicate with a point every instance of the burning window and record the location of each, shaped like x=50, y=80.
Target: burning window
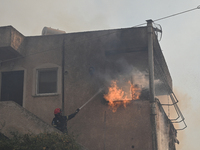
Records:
x=121, y=95
x=47, y=81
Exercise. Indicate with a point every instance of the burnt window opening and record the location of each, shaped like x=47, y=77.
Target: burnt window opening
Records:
x=47, y=81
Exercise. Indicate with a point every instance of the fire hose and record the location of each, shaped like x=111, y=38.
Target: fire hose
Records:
x=91, y=98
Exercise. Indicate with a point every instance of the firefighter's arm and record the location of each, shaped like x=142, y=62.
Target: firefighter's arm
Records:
x=72, y=115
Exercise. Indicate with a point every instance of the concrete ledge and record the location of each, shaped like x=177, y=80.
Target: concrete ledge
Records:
x=10, y=43
x=15, y=118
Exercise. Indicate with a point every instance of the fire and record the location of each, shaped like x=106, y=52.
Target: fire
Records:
x=135, y=91
x=117, y=96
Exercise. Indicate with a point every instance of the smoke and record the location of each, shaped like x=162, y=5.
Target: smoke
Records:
x=127, y=71
x=71, y=16
x=188, y=137
x=123, y=72
x=192, y=122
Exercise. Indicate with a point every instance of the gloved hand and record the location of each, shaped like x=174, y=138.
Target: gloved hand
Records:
x=77, y=110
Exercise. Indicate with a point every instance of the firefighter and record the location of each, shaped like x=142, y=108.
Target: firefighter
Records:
x=60, y=122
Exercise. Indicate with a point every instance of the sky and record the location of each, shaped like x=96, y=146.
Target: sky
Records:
x=180, y=38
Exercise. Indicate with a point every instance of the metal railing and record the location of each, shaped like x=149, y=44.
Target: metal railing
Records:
x=174, y=101
x=180, y=118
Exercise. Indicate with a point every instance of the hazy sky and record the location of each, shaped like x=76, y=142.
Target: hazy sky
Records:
x=180, y=41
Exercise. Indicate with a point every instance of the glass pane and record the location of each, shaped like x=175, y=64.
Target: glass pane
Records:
x=47, y=81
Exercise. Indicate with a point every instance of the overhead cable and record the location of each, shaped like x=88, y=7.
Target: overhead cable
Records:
x=198, y=7
x=177, y=13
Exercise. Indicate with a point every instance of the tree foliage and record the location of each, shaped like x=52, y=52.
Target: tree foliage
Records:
x=43, y=141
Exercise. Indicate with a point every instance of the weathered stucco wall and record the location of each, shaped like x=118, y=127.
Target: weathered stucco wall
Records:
x=10, y=43
x=103, y=128
x=97, y=127
x=92, y=59
x=166, y=134
x=15, y=118
x=41, y=52
x=89, y=57
x=84, y=51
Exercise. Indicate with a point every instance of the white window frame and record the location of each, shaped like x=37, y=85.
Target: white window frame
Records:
x=37, y=81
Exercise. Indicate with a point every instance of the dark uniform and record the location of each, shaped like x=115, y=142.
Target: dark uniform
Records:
x=60, y=122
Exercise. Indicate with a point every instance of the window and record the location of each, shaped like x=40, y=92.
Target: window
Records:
x=47, y=81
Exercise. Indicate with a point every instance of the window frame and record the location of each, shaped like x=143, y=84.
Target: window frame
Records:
x=37, y=81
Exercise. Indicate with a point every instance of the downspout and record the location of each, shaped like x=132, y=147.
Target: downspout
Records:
x=63, y=77
x=151, y=84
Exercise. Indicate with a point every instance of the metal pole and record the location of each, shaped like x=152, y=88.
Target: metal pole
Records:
x=150, y=59
x=63, y=77
x=151, y=83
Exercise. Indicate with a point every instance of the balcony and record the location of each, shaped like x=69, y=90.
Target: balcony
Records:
x=10, y=43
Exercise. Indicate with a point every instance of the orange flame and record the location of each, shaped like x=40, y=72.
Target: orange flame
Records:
x=135, y=91
x=117, y=96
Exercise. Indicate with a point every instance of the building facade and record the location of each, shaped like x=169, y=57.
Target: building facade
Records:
x=45, y=72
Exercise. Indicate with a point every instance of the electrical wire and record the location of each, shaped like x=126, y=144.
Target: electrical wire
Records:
x=198, y=7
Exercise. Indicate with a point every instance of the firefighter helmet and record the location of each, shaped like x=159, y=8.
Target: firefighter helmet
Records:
x=57, y=111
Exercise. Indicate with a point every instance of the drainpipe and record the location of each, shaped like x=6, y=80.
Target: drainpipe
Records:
x=63, y=77
x=151, y=83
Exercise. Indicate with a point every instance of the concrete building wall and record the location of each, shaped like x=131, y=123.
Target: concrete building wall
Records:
x=15, y=118
x=92, y=59
x=41, y=52
x=166, y=134
x=97, y=127
x=85, y=51
x=10, y=43
x=89, y=57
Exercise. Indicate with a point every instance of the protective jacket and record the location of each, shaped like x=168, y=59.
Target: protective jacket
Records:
x=60, y=122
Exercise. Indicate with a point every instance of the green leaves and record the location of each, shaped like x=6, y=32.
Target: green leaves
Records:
x=43, y=141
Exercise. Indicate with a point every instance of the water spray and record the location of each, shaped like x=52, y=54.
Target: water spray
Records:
x=91, y=98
